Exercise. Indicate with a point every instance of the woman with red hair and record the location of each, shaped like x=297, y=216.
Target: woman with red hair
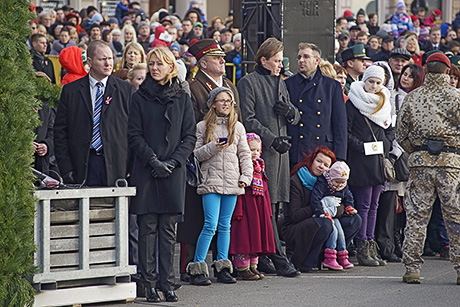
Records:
x=304, y=234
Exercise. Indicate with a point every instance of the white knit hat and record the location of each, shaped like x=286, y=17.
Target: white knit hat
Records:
x=374, y=71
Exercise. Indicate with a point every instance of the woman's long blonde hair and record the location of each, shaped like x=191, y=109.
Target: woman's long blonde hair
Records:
x=381, y=101
x=211, y=122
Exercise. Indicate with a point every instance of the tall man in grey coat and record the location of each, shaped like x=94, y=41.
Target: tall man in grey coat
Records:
x=267, y=110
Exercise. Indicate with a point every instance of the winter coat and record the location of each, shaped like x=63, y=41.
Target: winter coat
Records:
x=401, y=23
x=58, y=46
x=365, y=170
x=323, y=118
x=223, y=169
x=299, y=226
x=161, y=122
x=44, y=134
x=258, y=93
x=73, y=128
x=71, y=61
x=41, y=63
x=321, y=190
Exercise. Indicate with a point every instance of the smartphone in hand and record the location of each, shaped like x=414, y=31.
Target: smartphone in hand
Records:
x=225, y=140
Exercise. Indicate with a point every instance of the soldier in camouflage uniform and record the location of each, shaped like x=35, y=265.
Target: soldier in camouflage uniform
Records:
x=428, y=127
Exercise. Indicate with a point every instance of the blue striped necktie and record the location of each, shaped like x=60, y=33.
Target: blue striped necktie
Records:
x=96, y=141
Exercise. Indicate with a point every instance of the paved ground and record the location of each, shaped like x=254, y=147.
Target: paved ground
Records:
x=361, y=286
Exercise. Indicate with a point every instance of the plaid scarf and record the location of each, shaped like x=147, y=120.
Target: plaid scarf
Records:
x=257, y=184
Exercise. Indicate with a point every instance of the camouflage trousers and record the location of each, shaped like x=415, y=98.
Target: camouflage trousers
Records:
x=425, y=183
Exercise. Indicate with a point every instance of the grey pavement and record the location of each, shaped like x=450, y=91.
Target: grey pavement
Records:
x=360, y=286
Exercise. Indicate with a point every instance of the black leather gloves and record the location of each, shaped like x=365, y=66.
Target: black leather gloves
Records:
x=162, y=169
x=283, y=109
x=281, y=144
x=70, y=177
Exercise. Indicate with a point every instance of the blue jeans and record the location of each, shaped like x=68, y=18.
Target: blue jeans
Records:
x=337, y=237
x=218, y=211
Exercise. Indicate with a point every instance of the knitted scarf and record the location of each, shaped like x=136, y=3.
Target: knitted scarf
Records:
x=257, y=184
x=366, y=103
x=307, y=179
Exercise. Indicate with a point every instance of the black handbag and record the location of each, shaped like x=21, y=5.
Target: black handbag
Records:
x=194, y=175
x=401, y=167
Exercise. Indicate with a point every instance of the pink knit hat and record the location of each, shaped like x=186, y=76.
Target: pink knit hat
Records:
x=339, y=170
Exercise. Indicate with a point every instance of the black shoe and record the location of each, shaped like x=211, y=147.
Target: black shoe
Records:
x=170, y=296
x=444, y=253
x=199, y=280
x=393, y=258
x=305, y=269
x=176, y=286
x=225, y=277
x=266, y=266
x=428, y=252
x=352, y=250
x=151, y=295
x=185, y=277
x=288, y=271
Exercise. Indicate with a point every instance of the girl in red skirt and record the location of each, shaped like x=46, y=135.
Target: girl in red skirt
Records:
x=251, y=232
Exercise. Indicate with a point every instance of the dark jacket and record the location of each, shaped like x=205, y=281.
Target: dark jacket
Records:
x=323, y=118
x=161, y=122
x=41, y=63
x=321, y=190
x=365, y=170
x=383, y=55
x=44, y=134
x=299, y=227
x=258, y=93
x=73, y=128
x=427, y=46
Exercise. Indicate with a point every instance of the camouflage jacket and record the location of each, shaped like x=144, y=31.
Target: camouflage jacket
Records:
x=431, y=111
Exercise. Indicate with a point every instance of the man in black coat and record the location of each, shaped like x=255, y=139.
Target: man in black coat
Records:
x=80, y=155
x=39, y=61
x=434, y=42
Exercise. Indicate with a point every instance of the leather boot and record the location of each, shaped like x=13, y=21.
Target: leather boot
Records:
x=411, y=277
x=198, y=272
x=246, y=274
x=254, y=270
x=374, y=253
x=362, y=254
x=224, y=268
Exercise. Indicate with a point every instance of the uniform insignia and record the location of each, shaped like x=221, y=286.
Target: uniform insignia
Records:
x=209, y=85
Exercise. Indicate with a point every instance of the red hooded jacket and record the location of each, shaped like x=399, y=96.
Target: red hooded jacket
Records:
x=71, y=61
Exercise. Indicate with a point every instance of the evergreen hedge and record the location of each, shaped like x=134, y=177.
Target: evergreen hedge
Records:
x=17, y=121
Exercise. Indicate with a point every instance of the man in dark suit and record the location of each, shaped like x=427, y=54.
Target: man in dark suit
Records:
x=39, y=61
x=434, y=42
x=90, y=130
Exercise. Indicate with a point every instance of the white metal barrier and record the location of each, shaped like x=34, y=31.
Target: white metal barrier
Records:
x=82, y=253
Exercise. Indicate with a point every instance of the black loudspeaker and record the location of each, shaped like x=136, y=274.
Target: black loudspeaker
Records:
x=260, y=19
x=308, y=21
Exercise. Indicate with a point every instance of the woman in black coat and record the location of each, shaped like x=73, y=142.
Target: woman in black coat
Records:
x=303, y=233
x=161, y=132
x=368, y=112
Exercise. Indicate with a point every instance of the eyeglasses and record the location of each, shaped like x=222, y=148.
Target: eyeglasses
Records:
x=224, y=101
x=305, y=57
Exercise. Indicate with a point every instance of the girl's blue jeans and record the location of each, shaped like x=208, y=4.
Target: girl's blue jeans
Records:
x=337, y=237
x=218, y=211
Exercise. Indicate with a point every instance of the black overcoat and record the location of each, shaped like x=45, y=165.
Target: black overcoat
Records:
x=44, y=134
x=323, y=117
x=161, y=122
x=73, y=128
x=365, y=170
x=299, y=226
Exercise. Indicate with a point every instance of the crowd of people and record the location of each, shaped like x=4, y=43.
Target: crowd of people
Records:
x=330, y=162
